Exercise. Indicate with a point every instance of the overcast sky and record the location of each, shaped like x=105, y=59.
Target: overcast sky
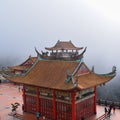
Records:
x=25, y=24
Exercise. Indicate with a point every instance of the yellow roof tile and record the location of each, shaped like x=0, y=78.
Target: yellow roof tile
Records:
x=53, y=74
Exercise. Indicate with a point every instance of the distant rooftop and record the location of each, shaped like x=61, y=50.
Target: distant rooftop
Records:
x=64, y=45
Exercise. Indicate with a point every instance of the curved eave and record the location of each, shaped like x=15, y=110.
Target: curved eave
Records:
x=84, y=82
x=19, y=79
x=80, y=55
x=92, y=80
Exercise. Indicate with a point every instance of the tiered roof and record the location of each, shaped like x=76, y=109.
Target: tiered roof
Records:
x=55, y=75
x=64, y=45
x=59, y=74
x=63, y=50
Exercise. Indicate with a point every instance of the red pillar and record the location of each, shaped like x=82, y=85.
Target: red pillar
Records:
x=73, y=106
x=38, y=99
x=24, y=99
x=54, y=105
x=95, y=100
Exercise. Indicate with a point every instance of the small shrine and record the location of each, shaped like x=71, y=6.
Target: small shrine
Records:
x=59, y=85
x=23, y=67
x=62, y=50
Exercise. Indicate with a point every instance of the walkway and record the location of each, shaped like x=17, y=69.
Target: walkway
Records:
x=9, y=93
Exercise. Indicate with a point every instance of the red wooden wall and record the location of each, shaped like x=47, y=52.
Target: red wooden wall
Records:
x=85, y=108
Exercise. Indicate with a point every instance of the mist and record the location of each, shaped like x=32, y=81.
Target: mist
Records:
x=41, y=23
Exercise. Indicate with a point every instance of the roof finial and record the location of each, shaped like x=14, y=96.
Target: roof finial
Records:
x=30, y=56
x=38, y=54
x=92, y=69
x=114, y=69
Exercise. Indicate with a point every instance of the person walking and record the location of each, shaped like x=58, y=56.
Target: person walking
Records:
x=109, y=112
x=113, y=109
x=106, y=110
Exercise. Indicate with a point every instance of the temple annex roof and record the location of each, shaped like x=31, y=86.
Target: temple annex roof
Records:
x=25, y=65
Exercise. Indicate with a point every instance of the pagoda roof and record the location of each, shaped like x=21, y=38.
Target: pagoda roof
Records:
x=53, y=74
x=64, y=45
x=25, y=65
x=30, y=59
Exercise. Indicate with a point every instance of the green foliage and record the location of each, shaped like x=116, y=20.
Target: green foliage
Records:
x=15, y=106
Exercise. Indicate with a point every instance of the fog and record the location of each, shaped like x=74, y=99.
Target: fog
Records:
x=41, y=23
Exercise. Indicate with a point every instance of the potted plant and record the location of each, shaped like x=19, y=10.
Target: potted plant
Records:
x=14, y=107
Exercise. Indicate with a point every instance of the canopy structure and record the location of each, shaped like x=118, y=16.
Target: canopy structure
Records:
x=62, y=50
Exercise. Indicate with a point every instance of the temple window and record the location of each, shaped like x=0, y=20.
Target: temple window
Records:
x=18, y=72
x=30, y=89
x=84, y=93
x=63, y=95
x=46, y=92
x=87, y=92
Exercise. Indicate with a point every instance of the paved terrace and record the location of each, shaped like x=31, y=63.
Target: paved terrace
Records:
x=9, y=93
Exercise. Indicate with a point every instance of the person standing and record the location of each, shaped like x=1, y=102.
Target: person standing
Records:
x=19, y=88
x=22, y=107
x=109, y=112
x=37, y=115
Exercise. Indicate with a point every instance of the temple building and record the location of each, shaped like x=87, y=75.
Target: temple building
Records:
x=59, y=85
x=23, y=67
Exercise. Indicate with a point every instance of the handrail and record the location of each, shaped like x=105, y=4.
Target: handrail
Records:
x=108, y=103
x=102, y=117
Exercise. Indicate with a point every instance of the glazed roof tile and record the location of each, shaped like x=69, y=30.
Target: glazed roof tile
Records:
x=91, y=79
x=53, y=74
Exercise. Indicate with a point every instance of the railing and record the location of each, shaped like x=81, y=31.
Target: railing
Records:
x=102, y=117
x=108, y=103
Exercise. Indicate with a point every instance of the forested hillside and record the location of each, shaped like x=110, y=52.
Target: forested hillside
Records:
x=110, y=91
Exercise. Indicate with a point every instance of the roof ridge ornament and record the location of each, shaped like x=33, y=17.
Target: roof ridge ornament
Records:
x=80, y=62
x=92, y=69
x=113, y=73
x=69, y=77
x=114, y=69
x=7, y=73
x=38, y=54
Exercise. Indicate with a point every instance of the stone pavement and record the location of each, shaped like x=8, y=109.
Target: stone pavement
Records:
x=9, y=93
